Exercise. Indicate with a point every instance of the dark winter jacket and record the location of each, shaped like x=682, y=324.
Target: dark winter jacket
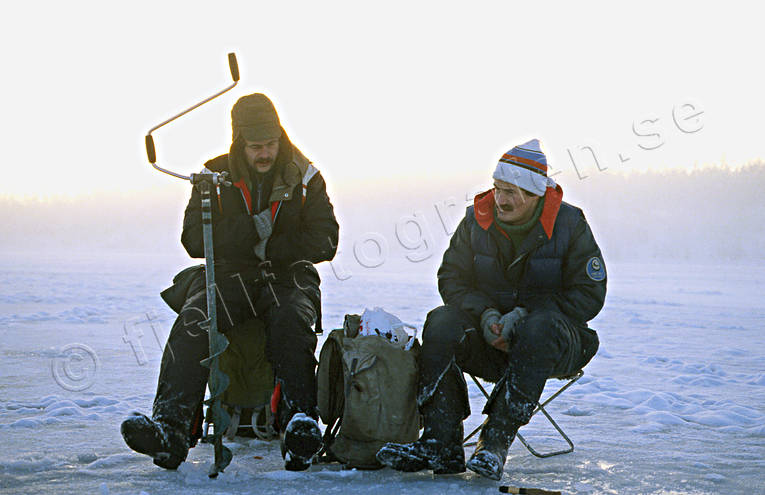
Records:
x=304, y=227
x=558, y=266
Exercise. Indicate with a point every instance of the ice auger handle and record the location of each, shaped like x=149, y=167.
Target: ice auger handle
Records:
x=233, y=66
x=150, y=149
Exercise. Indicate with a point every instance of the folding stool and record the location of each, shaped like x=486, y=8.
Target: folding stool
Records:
x=570, y=379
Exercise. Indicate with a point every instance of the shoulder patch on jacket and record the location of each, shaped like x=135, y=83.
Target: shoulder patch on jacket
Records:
x=595, y=269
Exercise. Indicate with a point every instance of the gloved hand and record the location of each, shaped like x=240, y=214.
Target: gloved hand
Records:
x=264, y=227
x=510, y=321
x=488, y=318
x=263, y=224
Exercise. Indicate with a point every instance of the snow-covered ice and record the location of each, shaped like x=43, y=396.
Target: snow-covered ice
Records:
x=673, y=403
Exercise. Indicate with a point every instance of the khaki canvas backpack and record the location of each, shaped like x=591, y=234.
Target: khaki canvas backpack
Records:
x=367, y=389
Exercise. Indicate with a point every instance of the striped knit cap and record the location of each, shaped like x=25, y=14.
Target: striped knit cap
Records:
x=526, y=167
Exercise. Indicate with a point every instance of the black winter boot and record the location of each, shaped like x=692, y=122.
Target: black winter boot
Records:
x=440, y=446
x=301, y=440
x=490, y=453
x=166, y=445
x=438, y=449
x=507, y=409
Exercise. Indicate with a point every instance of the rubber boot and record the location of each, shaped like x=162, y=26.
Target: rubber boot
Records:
x=440, y=446
x=167, y=446
x=507, y=412
x=439, y=449
x=490, y=453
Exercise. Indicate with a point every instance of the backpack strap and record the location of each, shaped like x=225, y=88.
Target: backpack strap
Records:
x=330, y=391
x=325, y=455
x=329, y=377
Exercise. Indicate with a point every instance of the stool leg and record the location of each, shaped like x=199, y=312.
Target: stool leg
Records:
x=560, y=431
x=540, y=407
x=474, y=432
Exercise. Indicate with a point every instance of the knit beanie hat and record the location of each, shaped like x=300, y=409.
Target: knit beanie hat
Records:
x=254, y=118
x=526, y=167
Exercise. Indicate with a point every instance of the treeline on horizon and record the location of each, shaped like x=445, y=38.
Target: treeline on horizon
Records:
x=704, y=214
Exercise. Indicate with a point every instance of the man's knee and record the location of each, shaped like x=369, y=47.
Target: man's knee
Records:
x=444, y=325
x=189, y=322
x=541, y=329
x=289, y=315
x=280, y=302
x=289, y=323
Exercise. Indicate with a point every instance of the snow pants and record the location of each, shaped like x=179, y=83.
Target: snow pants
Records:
x=546, y=344
x=288, y=311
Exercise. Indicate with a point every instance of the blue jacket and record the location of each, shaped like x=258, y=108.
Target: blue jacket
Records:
x=558, y=265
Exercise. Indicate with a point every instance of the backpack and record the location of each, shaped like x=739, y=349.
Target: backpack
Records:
x=251, y=382
x=367, y=394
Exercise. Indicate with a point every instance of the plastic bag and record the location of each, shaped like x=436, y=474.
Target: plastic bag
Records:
x=379, y=322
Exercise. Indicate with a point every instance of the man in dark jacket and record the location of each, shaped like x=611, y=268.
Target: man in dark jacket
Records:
x=269, y=228
x=520, y=280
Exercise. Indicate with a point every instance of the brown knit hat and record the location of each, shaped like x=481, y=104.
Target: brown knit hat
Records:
x=254, y=118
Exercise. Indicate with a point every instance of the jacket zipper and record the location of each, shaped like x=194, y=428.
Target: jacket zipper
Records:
x=524, y=254
x=244, y=198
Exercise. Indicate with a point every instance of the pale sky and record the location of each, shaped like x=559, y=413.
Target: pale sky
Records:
x=376, y=94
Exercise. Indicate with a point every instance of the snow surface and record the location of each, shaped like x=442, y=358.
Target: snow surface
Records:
x=674, y=402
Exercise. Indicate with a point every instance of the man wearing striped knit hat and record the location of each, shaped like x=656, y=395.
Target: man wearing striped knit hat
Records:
x=520, y=279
